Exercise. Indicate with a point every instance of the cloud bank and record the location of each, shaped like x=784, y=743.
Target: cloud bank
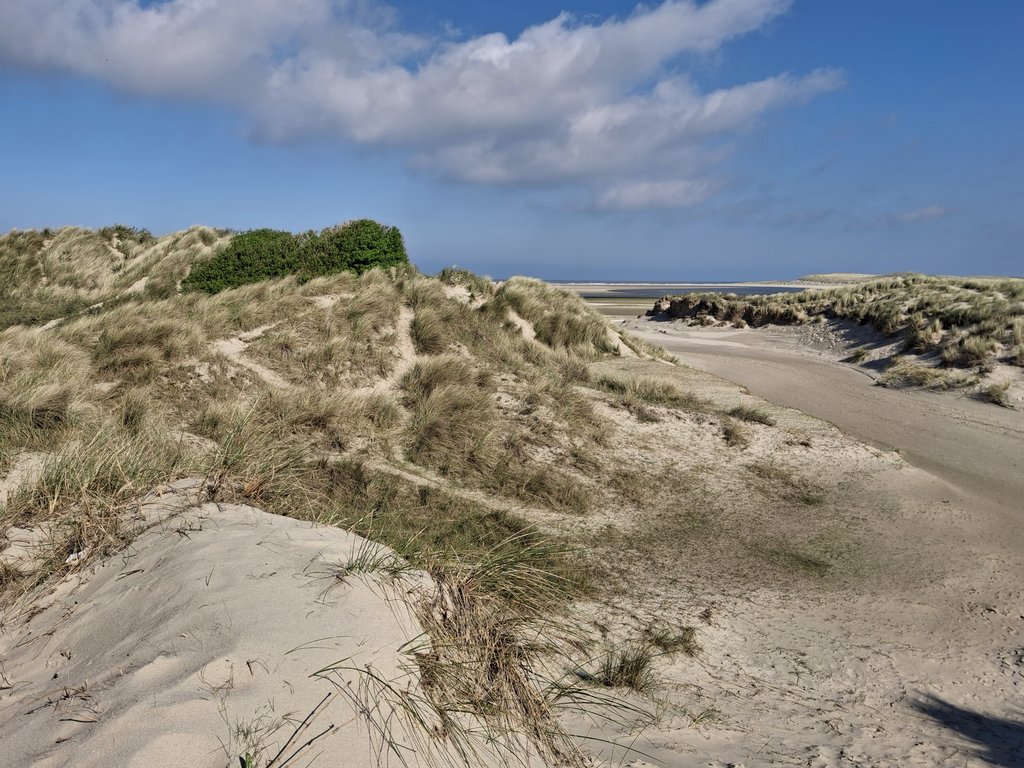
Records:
x=599, y=106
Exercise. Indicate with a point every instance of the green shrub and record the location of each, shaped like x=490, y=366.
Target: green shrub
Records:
x=260, y=254
x=263, y=254
x=356, y=247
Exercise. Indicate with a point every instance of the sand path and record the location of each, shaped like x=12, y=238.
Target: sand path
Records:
x=234, y=350
x=975, y=446
x=916, y=661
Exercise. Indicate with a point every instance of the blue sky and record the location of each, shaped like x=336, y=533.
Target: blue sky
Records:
x=730, y=139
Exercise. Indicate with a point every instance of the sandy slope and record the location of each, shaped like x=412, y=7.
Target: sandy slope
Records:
x=915, y=660
x=200, y=644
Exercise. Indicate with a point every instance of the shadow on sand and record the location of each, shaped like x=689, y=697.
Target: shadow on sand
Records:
x=995, y=740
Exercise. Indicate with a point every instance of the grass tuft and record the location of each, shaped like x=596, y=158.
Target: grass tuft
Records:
x=752, y=414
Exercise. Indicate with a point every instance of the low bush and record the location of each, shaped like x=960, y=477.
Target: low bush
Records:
x=260, y=254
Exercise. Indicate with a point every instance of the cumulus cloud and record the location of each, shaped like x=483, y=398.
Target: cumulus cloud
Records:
x=600, y=105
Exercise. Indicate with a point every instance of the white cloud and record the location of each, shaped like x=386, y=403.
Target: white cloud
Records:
x=595, y=104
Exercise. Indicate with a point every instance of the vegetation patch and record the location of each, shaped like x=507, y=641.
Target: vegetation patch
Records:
x=630, y=666
x=966, y=322
x=752, y=414
x=264, y=254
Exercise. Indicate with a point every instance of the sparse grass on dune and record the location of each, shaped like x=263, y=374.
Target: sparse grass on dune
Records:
x=559, y=318
x=631, y=666
x=751, y=414
x=902, y=372
x=637, y=394
x=968, y=322
x=734, y=434
x=83, y=495
x=53, y=274
x=478, y=287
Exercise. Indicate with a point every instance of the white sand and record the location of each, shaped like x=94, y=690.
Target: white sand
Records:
x=207, y=629
x=914, y=659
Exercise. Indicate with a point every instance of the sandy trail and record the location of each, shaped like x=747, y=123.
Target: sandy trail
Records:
x=918, y=659
x=234, y=350
x=975, y=446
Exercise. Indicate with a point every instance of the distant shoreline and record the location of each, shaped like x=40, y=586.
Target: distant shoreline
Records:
x=656, y=290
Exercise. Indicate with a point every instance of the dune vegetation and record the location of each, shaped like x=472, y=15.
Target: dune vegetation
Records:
x=491, y=434
x=947, y=328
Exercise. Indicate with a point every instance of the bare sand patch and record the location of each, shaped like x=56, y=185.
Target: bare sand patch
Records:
x=234, y=350
x=904, y=649
x=222, y=633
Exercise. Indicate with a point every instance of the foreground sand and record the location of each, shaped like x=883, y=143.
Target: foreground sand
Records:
x=918, y=659
x=223, y=633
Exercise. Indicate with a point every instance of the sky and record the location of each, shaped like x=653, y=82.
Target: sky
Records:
x=574, y=140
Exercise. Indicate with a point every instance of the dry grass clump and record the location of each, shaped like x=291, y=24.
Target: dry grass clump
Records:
x=576, y=412
x=52, y=274
x=489, y=622
x=630, y=666
x=635, y=392
x=479, y=287
x=970, y=351
x=904, y=373
x=257, y=458
x=338, y=420
x=440, y=324
x=452, y=417
x=454, y=428
x=734, y=434
x=129, y=349
x=751, y=414
x=451, y=429
x=681, y=640
x=85, y=491
x=106, y=464
x=351, y=342
x=998, y=393
x=41, y=383
x=437, y=530
x=560, y=319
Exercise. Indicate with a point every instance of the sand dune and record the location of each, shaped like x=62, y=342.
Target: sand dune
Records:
x=223, y=632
